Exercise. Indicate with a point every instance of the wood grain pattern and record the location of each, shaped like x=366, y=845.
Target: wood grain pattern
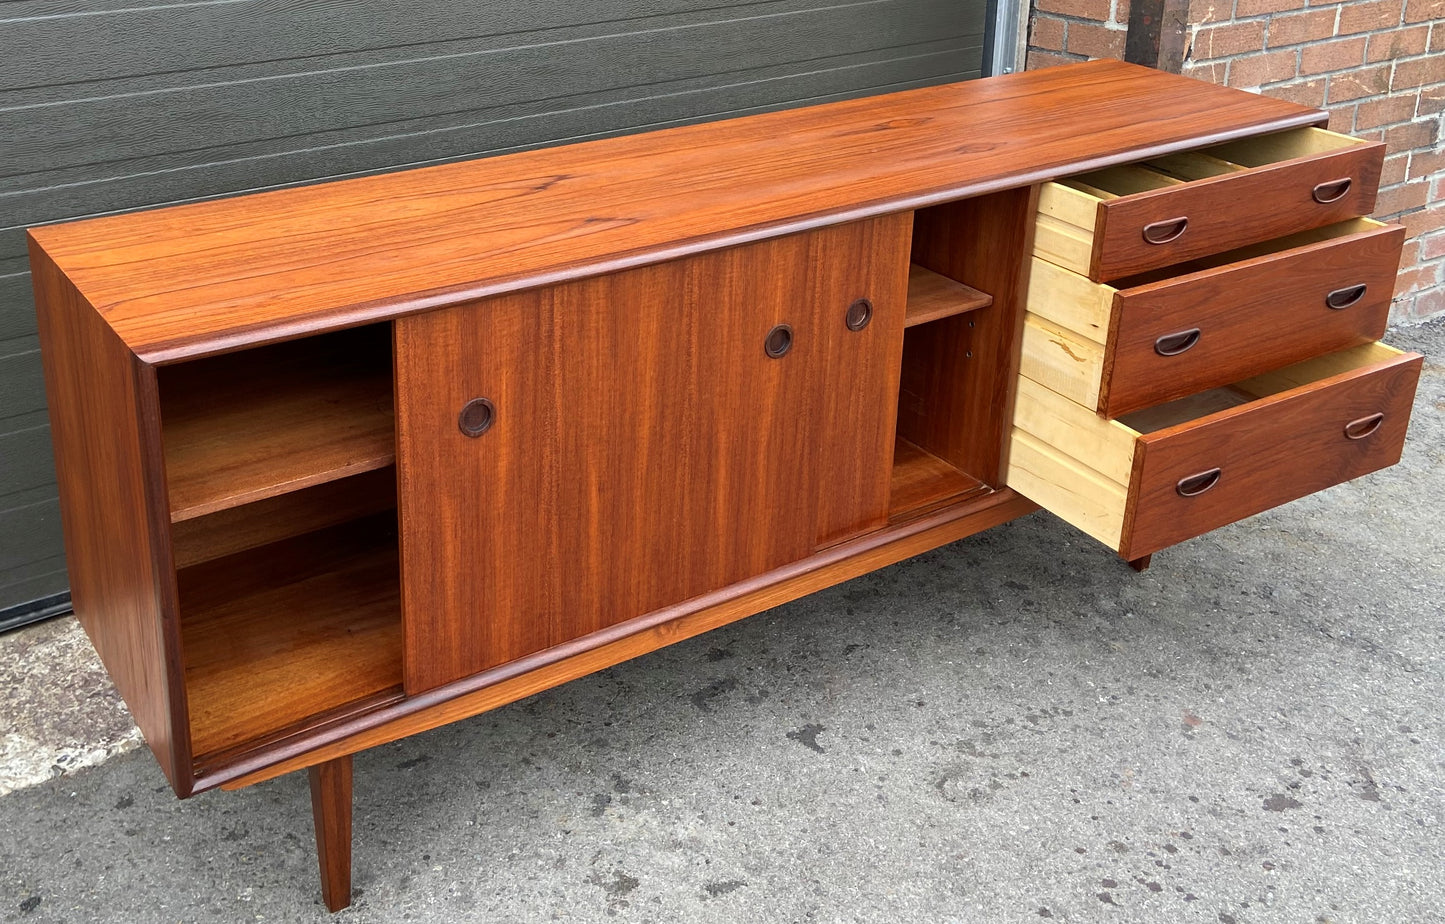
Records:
x=1068, y=488
x=931, y=297
x=1070, y=300
x=1106, y=446
x=255, y=424
x=1269, y=451
x=106, y=430
x=1254, y=315
x=923, y=482
x=1232, y=210
x=1196, y=165
x=277, y=634
x=185, y=281
x=544, y=670
x=1066, y=362
x=259, y=523
x=959, y=373
x=653, y=447
x=331, y=815
x=1276, y=147
x=1306, y=373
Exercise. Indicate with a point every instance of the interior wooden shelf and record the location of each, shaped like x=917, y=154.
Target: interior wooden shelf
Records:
x=253, y=425
x=290, y=631
x=932, y=296
x=923, y=482
x=295, y=513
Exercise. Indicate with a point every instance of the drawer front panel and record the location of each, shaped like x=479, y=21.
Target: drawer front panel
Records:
x=1266, y=453
x=1232, y=210
x=1250, y=317
x=641, y=447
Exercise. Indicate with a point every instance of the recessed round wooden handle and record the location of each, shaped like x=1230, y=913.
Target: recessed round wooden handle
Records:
x=1344, y=298
x=1162, y=232
x=1332, y=190
x=1174, y=344
x=778, y=341
x=1196, y=484
x=477, y=417
x=859, y=314
x=1365, y=426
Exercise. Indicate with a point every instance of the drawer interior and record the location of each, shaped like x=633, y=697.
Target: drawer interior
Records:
x=1240, y=254
x=1300, y=375
x=1186, y=166
x=1079, y=465
x=1282, y=146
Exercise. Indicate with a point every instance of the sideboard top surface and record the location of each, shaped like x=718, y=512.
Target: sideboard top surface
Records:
x=213, y=276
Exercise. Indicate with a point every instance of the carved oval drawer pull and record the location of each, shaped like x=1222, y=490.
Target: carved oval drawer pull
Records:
x=1365, y=426
x=1332, y=190
x=1196, y=484
x=477, y=417
x=1162, y=232
x=778, y=341
x=1174, y=344
x=1344, y=298
x=859, y=314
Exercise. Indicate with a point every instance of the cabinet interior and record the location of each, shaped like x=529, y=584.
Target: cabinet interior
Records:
x=943, y=313
x=254, y=424
x=282, y=486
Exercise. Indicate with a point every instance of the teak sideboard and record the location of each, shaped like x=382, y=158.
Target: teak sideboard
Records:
x=346, y=462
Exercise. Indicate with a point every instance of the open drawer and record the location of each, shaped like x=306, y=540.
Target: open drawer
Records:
x=1158, y=477
x=1134, y=218
x=1231, y=316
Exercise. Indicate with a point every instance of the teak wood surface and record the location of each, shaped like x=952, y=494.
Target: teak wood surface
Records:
x=932, y=297
x=1232, y=210
x=1256, y=315
x=241, y=428
x=275, y=635
x=923, y=482
x=295, y=513
x=213, y=276
x=105, y=424
x=1269, y=452
x=331, y=815
x=644, y=454
x=546, y=669
x=958, y=373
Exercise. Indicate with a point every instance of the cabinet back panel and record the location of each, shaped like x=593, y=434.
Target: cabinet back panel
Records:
x=642, y=437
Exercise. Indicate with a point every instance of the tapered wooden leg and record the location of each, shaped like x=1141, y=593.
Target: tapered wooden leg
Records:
x=1139, y=564
x=331, y=809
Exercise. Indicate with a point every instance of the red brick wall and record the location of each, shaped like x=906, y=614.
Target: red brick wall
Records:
x=1378, y=66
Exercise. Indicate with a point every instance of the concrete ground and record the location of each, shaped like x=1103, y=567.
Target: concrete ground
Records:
x=1014, y=728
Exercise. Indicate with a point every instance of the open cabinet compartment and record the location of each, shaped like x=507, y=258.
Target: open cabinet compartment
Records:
x=936, y=454
x=282, y=487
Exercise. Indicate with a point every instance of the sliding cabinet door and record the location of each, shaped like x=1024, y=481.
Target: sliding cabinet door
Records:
x=575, y=456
